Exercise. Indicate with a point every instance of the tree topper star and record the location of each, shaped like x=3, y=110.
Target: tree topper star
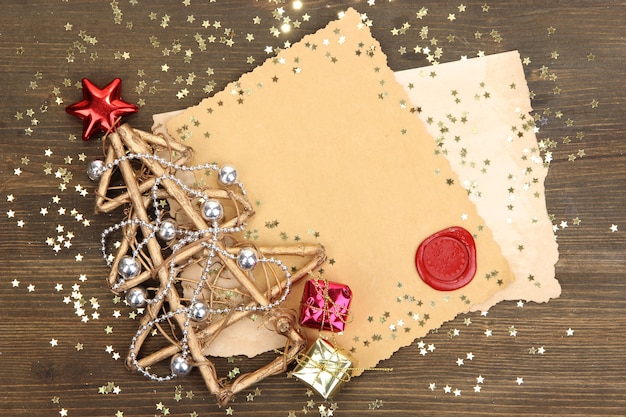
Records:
x=100, y=108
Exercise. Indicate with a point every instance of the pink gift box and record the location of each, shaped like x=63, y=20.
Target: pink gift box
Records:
x=325, y=305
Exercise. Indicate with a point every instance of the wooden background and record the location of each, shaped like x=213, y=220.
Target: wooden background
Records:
x=41, y=46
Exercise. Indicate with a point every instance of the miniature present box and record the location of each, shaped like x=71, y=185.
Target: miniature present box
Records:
x=323, y=368
x=325, y=305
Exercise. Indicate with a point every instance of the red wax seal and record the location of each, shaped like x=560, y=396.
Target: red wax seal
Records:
x=447, y=260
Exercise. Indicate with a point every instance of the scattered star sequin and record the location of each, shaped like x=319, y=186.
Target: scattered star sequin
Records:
x=174, y=58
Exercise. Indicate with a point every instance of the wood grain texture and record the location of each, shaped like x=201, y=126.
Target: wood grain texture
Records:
x=581, y=375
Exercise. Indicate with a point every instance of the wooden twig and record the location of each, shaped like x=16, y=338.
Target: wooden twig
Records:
x=154, y=250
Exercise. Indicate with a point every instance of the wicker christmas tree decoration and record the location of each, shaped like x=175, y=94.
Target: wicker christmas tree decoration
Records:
x=204, y=277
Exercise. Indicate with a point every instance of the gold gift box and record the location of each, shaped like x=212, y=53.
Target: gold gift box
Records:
x=323, y=368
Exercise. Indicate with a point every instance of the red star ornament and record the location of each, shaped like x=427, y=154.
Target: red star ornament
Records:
x=100, y=109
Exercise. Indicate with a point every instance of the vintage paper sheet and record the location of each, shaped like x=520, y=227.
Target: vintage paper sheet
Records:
x=480, y=118
x=329, y=146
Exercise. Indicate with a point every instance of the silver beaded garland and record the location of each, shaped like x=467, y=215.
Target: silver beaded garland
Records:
x=227, y=175
x=137, y=297
x=95, y=169
x=212, y=210
x=180, y=365
x=167, y=230
x=247, y=259
x=199, y=311
x=128, y=267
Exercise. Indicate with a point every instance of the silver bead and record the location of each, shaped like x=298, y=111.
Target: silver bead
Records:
x=227, y=175
x=247, y=259
x=199, y=311
x=128, y=267
x=179, y=365
x=95, y=169
x=212, y=210
x=167, y=230
x=137, y=297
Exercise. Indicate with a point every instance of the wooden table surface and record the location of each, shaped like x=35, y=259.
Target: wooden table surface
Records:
x=569, y=355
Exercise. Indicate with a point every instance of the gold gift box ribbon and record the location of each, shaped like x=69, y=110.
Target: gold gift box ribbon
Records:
x=323, y=368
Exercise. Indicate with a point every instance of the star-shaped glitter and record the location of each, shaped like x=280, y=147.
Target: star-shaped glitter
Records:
x=100, y=109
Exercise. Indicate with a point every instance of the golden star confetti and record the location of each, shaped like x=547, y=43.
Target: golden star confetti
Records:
x=164, y=51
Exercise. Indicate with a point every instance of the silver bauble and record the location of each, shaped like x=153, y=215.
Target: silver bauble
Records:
x=137, y=297
x=199, y=311
x=167, y=230
x=128, y=267
x=179, y=365
x=247, y=259
x=227, y=175
x=212, y=210
x=95, y=169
